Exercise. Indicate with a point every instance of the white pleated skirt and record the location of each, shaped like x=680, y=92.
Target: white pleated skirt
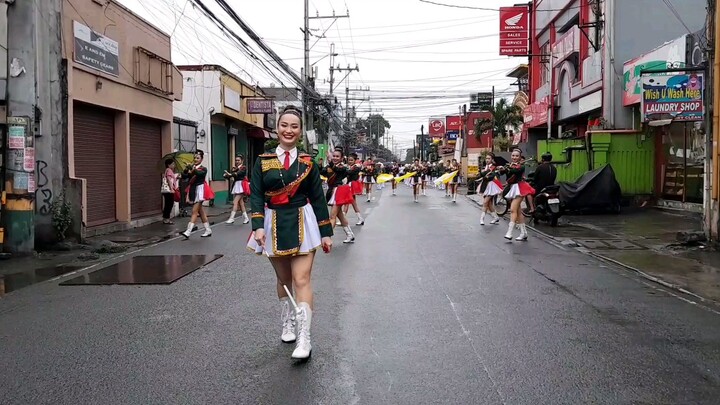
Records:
x=238, y=188
x=492, y=189
x=310, y=240
x=513, y=192
x=199, y=193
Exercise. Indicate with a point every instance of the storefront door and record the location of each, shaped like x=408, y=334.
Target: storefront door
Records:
x=683, y=162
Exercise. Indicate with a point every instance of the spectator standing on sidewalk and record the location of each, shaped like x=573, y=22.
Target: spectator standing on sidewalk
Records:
x=168, y=188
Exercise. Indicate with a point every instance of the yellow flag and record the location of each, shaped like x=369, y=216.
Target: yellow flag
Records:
x=405, y=176
x=446, y=178
x=383, y=178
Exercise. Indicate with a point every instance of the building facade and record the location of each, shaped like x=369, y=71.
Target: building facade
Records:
x=121, y=85
x=216, y=100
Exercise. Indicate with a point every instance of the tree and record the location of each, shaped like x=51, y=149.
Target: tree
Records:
x=506, y=116
x=375, y=125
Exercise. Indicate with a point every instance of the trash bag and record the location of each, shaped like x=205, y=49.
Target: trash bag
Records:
x=595, y=191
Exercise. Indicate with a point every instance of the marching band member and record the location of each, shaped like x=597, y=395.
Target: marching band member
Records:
x=339, y=192
x=370, y=176
x=424, y=174
x=197, y=193
x=395, y=171
x=289, y=222
x=519, y=188
x=453, y=184
x=416, y=179
x=489, y=187
x=446, y=186
x=354, y=169
x=240, y=189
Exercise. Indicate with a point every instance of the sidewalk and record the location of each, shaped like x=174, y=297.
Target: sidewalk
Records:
x=650, y=241
x=20, y=272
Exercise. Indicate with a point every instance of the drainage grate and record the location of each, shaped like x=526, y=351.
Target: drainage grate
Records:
x=145, y=270
x=609, y=244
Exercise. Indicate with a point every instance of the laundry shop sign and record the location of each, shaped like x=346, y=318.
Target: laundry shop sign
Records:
x=678, y=96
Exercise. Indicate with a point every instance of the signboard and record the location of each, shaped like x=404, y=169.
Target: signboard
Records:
x=514, y=31
x=95, y=50
x=535, y=114
x=453, y=123
x=16, y=134
x=669, y=56
x=231, y=98
x=679, y=96
x=485, y=101
x=29, y=160
x=259, y=106
x=436, y=128
x=473, y=168
x=452, y=137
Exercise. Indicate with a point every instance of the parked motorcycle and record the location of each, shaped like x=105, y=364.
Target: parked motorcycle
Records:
x=548, y=206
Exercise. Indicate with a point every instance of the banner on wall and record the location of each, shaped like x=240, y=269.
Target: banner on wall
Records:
x=678, y=97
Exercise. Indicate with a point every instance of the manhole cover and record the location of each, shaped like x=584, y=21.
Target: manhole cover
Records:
x=622, y=244
x=145, y=270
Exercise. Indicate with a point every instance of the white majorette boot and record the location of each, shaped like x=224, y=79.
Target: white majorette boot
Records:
x=245, y=218
x=231, y=220
x=511, y=227
x=350, y=235
x=523, y=233
x=495, y=218
x=208, y=231
x=361, y=220
x=304, y=320
x=482, y=218
x=188, y=231
x=288, y=321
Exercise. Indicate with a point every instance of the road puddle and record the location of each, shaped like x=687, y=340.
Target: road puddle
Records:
x=15, y=281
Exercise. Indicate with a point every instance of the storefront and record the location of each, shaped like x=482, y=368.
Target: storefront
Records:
x=119, y=115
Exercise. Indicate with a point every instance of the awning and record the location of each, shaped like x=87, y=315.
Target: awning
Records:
x=260, y=133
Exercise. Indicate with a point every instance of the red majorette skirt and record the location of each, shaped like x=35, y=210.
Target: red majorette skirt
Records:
x=357, y=187
x=342, y=195
x=520, y=189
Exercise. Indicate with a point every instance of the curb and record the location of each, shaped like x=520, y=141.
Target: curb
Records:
x=623, y=265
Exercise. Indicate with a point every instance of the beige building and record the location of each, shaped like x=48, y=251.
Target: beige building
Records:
x=121, y=86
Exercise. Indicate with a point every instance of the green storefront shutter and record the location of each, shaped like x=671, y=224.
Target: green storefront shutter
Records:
x=241, y=144
x=220, y=153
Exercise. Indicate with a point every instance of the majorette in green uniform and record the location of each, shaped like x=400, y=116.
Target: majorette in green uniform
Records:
x=290, y=221
x=281, y=202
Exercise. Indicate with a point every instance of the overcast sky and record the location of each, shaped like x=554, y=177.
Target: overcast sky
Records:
x=418, y=59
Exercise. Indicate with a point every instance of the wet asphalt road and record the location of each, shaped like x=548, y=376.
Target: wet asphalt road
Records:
x=427, y=307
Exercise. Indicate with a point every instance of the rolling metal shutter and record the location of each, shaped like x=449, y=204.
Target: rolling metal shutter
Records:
x=94, y=147
x=145, y=178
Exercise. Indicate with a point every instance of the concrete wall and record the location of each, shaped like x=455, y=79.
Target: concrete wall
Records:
x=51, y=167
x=639, y=26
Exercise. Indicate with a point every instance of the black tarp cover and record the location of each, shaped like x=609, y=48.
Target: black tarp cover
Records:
x=595, y=190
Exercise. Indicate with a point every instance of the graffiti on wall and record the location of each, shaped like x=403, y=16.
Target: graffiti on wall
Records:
x=43, y=194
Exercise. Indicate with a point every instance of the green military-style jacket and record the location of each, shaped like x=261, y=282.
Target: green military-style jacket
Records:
x=287, y=195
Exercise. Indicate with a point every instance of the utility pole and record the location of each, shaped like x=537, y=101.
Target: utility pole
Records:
x=308, y=105
x=18, y=215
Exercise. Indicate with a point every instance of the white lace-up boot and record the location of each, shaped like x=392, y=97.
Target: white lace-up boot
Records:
x=482, y=218
x=511, y=227
x=208, y=231
x=361, y=220
x=245, y=218
x=304, y=320
x=495, y=217
x=288, y=321
x=188, y=231
x=523, y=233
x=350, y=235
x=231, y=220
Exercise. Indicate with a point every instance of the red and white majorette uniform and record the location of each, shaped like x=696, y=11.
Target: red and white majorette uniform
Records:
x=353, y=177
x=518, y=186
x=490, y=185
x=339, y=191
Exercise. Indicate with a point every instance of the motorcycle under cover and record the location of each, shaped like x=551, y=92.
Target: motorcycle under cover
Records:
x=595, y=190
